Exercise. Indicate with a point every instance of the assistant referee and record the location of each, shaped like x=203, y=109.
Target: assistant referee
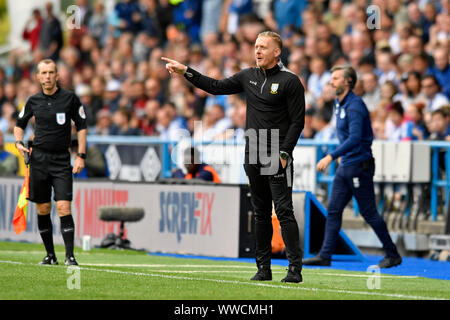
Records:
x=53, y=109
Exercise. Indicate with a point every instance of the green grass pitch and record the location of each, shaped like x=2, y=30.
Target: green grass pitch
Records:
x=110, y=274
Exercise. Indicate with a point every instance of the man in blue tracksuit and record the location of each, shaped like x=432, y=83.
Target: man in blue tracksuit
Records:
x=354, y=177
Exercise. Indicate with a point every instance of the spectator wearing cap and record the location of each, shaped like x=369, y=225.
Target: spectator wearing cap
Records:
x=103, y=124
x=84, y=92
x=112, y=95
x=431, y=90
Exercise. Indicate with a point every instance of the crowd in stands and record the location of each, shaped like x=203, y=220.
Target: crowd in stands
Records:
x=112, y=61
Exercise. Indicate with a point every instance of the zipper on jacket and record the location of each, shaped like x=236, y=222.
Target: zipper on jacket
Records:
x=262, y=86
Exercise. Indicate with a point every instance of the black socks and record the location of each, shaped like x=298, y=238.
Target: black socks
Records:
x=68, y=233
x=46, y=230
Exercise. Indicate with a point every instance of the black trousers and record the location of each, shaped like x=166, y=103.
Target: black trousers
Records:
x=277, y=188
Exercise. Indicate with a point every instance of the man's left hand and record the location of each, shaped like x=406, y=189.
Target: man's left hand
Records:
x=324, y=163
x=78, y=165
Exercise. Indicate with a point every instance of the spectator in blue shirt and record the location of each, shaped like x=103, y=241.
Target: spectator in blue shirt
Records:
x=441, y=69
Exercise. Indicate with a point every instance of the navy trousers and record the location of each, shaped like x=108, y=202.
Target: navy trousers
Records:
x=354, y=180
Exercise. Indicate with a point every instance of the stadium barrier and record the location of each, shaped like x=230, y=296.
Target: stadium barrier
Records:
x=398, y=165
x=175, y=216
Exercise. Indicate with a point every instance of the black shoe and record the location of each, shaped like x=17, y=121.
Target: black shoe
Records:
x=389, y=262
x=263, y=274
x=70, y=261
x=317, y=261
x=49, y=260
x=294, y=275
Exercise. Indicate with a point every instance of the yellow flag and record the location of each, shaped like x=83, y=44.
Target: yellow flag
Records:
x=20, y=214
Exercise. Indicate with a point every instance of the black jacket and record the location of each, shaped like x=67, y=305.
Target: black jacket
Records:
x=275, y=100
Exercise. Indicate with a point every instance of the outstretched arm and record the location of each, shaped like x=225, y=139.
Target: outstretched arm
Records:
x=229, y=85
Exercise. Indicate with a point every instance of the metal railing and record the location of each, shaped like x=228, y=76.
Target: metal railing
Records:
x=440, y=176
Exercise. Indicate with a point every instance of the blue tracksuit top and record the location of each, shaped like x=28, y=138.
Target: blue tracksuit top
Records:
x=354, y=130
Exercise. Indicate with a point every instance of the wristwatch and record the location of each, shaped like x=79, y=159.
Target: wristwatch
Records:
x=19, y=142
x=284, y=155
x=81, y=155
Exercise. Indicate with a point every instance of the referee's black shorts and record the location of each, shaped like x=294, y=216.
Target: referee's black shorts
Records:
x=49, y=170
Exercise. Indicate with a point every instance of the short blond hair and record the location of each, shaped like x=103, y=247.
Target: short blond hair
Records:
x=275, y=36
x=47, y=61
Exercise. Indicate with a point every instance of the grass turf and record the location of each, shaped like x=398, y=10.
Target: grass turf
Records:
x=109, y=274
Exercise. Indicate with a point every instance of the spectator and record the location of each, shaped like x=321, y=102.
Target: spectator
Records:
x=51, y=39
x=285, y=13
x=8, y=162
x=385, y=67
x=95, y=164
x=98, y=23
x=441, y=69
x=431, y=90
x=153, y=90
x=147, y=122
x=388, y=90
x=128, y=13
x=439, y=125
x=32, y=29
x=320, y=122
x=168, y=125
x=84, y=92
x=410, y=89
x=196, y=169
x=122, y=124
x=319, y=77
x=334, y=18
x=104, y=123
x=308, y=131
x=112, y=95
x=372, y=90
x=414, y=115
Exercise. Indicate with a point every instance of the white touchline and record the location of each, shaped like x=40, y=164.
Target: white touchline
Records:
x=236, y=282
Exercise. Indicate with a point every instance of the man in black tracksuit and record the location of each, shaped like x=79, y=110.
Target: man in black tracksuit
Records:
x=274, y=122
